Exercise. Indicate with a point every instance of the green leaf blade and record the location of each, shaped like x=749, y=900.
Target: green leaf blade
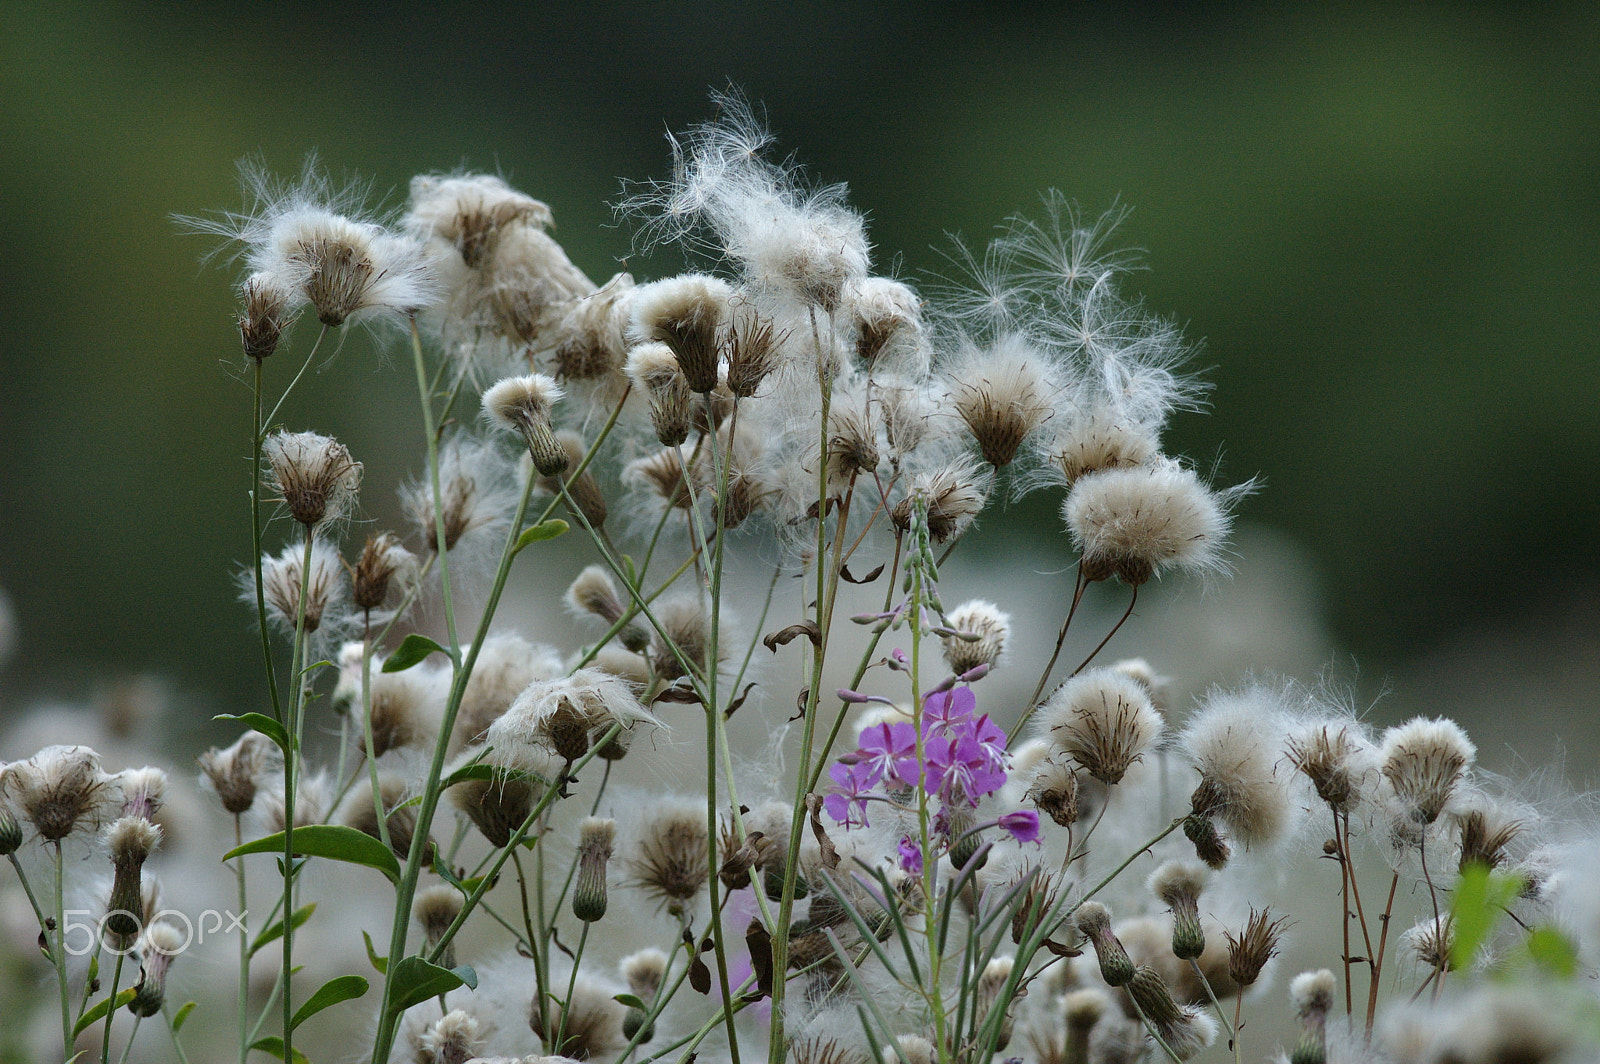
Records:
x=333, y=841
x=334, y=991
x=416, y=980
x=540, y=532
x=263, y=724
x=413, y=649
x=275, y=932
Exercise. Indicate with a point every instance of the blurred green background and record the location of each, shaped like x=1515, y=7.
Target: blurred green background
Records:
x=1383, y=220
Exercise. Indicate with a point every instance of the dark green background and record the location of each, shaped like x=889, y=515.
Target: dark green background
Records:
x=1382, y=220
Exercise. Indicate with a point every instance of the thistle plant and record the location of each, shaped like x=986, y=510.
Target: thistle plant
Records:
x=920, y=866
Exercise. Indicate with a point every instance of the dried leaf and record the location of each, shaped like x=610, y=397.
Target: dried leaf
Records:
x=782, y=637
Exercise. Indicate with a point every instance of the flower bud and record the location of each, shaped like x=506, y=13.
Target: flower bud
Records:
x=595, y=838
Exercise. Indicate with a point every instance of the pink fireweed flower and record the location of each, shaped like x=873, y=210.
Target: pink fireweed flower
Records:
x=888, y=750
x=855, y=784
x=910, y=856
x=945, y=710
x=1023, y=825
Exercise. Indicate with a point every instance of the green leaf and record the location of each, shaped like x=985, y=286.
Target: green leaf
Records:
x=333, y=841
x=182, y=1015
x=415, y=981
x=412, y=650
x=275, y=932
x=263, y=724
x=101, y=1007
x=380, y=963
x=344, y=988
x=544, y=530
x=631, y=1001
x=630, y=572
x=1479, y=899
x=467, y=974
x=274, y=1045
x=1553, y=952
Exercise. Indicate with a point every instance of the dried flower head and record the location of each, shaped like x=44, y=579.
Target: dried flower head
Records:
x=593, y=342
x=1102, y=720
x=1185, y=1029
x=325, y=589
x=501, y=804
x=670, y=859
x=984, y=620
x=436, y=908
x=1312, y=996
x=313, y=795
x=591, y=1022
x=130, y=841
x=686, y=314
x=469, y=212
x=1486, y=830
x=1002, y=395
x=954, y=495
x=596, y=593
x=507, y=664
x=385, y=564
x=406, y=708
x=1255, y=945
x=1178, y=884
x=1338, y=759
x=686, y=623
x=1209, y=845
x=1423, y=760
x=662, y=476
x=654, y=370
x=852, y=442
x=524, y=405
x=268, y=308
x=887, y=316
x=1233, y=739
x=314, y=475
x=61, y=790
x=1055, y=791
x=359, y=810
x=753, y=346
x=476, y=499
x=157, y=945
x=1138, y=522
x=454, y=1038
x=1429, y=943
x=564, y=715
x=309, y=235
x=525, y=291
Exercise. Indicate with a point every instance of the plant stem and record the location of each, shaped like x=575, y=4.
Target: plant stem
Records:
x=1079, y=585
x=244, y=943
x=111, y=1014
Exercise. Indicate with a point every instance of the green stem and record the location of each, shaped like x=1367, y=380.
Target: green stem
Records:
x=255, y=549
x=60, y=956
x=116, y=981
x=290, y=785
x=123, y=1059
x=177, y=1047
x=572, y=983
x=244, y=944
x=425, y=396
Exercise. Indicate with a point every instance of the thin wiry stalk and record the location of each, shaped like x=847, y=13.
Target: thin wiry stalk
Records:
x=111, y=1014
x=290, y=783
x=1078, y=587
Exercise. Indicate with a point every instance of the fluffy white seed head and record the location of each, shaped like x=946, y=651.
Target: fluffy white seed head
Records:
x=564, y=715
x=1235, y=739
x=385, y=566
x=314, y=475
x=1312, y=992
x=1102, y=720
x=669, y=858
x=1097, y=439
x=1002, y=395
x=594, y=592
x=1337, y=757
x=237, y=773
x=1422, y=761
x=988, y=622
x=955, y=494
x=468, y=212
x=507, y=664
x=1142, y=521
x=592, y=343
x=1178, y=882
x=326, y=590
x=476, y=498
x=643, y=972
x=654, y=370
x=524, y=405
x=887, y=316
x=267, y=307
x=686, y=314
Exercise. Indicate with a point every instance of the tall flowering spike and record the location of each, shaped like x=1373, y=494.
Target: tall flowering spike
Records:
x=61, y=790
x=436, y=908
x=1234, y=739
x=686, y=314
x=595, y=838
x=1102, y=720
x=469, y=212
x=984, y=620
x=654, y=370
x=1178, y=884
x=314, y=475
x=267, y=308
x=1002, y=395
x=1094, y=921
x=1423, y=760
x=670, y=859
x=1140, y=522
x=1312, y=996
x=312, y=237
x=523, y=405
x=384, y=564
x=326, y=589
